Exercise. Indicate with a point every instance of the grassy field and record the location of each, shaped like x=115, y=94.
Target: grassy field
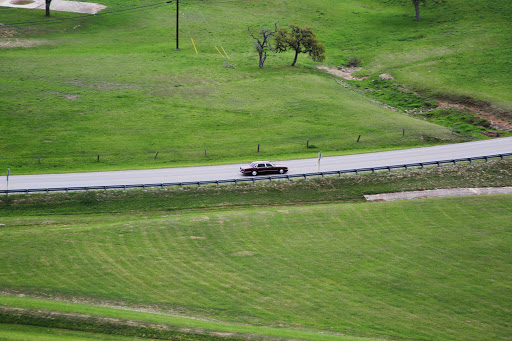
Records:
x=262, y=261
x=113, y=85
x=390, y=269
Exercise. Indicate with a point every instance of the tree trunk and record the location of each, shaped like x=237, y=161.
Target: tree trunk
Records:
x=48, y=7
x=417, y=9
x=263, y=56
x=295, y=59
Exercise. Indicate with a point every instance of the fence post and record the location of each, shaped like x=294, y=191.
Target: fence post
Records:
x=154, y=158
x=258, y=147
x=358, y=138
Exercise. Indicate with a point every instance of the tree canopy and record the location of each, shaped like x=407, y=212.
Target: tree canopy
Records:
x=301, y=40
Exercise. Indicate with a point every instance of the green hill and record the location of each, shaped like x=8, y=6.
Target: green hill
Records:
x=74, y=87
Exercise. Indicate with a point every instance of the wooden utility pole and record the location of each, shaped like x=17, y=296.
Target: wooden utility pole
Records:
x=177, y=24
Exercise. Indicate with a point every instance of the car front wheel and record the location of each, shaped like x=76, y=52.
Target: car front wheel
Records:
x=254, y=173
x=281, y=171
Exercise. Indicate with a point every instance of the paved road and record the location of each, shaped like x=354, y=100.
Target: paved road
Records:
x=184, y=174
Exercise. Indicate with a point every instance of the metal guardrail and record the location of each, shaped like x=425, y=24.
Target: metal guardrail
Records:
x=254, y=179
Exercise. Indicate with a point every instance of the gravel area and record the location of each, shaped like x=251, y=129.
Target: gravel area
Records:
x=56, y=5
x=436, y=193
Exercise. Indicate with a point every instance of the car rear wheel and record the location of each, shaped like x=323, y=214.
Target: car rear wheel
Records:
x=254, y=173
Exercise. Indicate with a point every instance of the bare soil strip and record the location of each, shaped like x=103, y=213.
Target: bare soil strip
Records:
x=437, y=193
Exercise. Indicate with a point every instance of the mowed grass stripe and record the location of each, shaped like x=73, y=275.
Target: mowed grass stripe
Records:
x=363, y=269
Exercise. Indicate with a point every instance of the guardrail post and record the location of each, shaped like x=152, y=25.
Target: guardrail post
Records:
x=470, y=160
x=105, y=189
x=217, y=183
x=389, y=169
x=305, y=177
x=501, y=155
x=125, y=188
x=405, y=167
x=198, y=184
x=373, y=170
x=270, y=178
x=253, y=181
x=421, y=164
x=357, y=172
x=486, y=159
x=181, y=185
x=438, y=164
x=47, y=191
x=454, y=162
x=288, y=177
x=236, y=182
x=322, y=175
x=67, y=190
x=339, y=174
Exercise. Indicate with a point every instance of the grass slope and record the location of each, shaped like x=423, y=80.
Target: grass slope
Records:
x=113, y=85
x=421, y=269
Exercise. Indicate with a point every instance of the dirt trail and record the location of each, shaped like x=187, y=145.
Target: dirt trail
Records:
x=499, y=119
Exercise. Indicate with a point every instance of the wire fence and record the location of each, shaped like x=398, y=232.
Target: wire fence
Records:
x=287, y=177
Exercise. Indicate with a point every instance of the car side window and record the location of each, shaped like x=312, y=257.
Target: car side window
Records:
x=269, y=165
x=261, y=165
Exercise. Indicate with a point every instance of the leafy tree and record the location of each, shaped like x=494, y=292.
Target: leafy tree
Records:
x=301, y=40
x=417, y=3
x=262, y=42
x=48, y=2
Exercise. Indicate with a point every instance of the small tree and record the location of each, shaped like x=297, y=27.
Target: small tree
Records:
x=417, y=3
x=262, y=42
x=301, y=40
x=48, y=2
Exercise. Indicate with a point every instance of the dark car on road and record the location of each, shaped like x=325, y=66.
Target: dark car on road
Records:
x=262, y=167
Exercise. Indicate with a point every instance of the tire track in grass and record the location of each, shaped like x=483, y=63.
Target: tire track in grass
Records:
x=92, y=270
x=167, y=249
x=133, y=257
x=121, y=275
x=369, y=299
x=160, y=251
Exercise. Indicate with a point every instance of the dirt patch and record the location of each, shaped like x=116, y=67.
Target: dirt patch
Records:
x=17, y=42
x=345, y=73
x=499, y=119
x=243, y=253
